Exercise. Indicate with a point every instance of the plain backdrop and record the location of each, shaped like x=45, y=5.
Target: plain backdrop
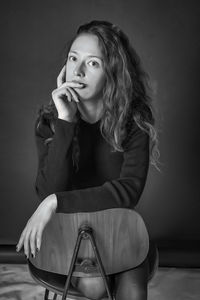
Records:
x=166, y=35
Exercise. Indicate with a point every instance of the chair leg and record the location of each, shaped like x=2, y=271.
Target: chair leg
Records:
x=55, y=296
x=46, y=295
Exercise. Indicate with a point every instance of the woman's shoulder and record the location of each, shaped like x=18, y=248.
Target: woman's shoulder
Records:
x=136, y=136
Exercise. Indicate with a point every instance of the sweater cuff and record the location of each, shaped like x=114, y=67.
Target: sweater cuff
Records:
x=64, y=127
x=59, y=208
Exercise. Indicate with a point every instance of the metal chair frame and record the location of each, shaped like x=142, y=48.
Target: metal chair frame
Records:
x=85, y=232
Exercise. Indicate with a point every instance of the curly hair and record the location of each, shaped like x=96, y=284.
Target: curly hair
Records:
x=125, y=95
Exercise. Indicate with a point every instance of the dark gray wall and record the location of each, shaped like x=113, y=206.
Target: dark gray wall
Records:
x=166, y=35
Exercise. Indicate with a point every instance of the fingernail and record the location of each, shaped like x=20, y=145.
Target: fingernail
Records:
x=17, y=249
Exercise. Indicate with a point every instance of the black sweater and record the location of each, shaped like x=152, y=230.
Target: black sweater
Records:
x=105, y=179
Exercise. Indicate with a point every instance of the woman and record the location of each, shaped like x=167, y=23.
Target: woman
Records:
x=93, y=143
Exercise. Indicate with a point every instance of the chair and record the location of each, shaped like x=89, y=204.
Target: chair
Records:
x=88, y=245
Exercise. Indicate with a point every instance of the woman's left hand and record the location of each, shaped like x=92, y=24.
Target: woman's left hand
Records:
x=31, y=236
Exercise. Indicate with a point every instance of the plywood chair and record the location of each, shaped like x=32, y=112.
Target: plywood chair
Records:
x=88, y=245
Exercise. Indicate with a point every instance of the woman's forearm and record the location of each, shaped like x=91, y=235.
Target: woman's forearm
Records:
x=55, y=160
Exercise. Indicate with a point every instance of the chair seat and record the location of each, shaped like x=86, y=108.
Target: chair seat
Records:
x=123, y=247
x=56, y=282
x=120, y=235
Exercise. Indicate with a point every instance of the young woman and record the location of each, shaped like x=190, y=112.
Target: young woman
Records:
x=95, y=140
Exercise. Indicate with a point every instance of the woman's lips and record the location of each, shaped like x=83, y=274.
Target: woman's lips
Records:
x=82, y=85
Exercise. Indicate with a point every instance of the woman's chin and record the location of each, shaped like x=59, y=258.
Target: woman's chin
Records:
x=84, y=98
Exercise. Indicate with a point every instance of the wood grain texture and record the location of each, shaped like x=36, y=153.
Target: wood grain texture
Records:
x=120, y=234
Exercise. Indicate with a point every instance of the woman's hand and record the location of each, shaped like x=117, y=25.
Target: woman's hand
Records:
x=65, y=97
x=31, y=236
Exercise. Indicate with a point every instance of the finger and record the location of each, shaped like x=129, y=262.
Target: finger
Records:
x=26, y=244
x=62, y=91
x=59, y=91
x=74, y=95
x=33, y=242
x=72, y=84
x=61, y=77
x=39, y=239
x=21, y=240
x=69, y=96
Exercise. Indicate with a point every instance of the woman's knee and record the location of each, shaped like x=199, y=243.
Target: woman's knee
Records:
x=132, y=284
x=135, y=293
x=92, y=288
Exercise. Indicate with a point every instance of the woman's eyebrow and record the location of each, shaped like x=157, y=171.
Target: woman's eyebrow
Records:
x=90, y=56
x=96, y=57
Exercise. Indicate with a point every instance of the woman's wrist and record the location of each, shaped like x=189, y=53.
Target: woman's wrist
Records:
x=68, y=119
x=52, y=202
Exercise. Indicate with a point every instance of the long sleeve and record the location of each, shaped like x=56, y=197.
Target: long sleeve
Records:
x=123, y=191
x=54, y=157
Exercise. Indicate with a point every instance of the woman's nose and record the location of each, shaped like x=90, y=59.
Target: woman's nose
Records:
x=79, y=70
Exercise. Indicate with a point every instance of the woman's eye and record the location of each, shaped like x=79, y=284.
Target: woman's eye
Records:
x=71, y=58
x=94, y=63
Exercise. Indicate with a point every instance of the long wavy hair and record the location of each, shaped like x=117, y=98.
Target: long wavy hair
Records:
x=126, y=93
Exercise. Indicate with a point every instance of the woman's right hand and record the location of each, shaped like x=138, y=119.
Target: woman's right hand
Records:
x=65, y=98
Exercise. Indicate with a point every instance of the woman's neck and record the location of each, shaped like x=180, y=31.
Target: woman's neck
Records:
x=90, y=112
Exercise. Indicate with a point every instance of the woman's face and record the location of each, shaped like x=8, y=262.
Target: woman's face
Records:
x=85, y=65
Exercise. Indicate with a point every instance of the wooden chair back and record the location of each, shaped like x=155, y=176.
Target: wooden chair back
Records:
x=120, y=234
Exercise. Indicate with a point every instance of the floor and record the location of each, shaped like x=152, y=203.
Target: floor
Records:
x=167, y=284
